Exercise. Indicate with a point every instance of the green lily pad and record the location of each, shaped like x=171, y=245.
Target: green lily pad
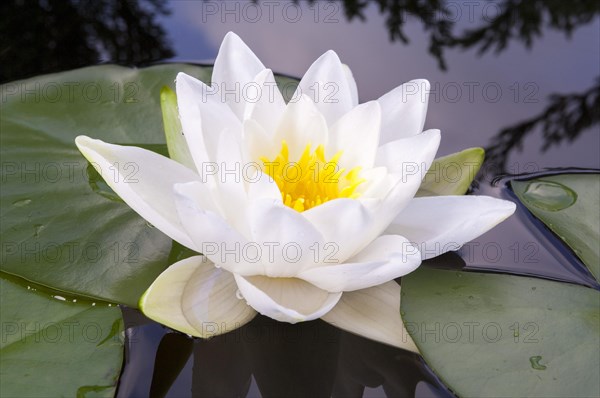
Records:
x=569, y=204
x=52, y=347
x=492, y=335
x=452, y=174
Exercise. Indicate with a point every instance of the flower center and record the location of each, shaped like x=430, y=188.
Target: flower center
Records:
x=311, y=180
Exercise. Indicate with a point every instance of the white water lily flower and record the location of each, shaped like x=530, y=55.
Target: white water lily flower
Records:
x=291, y=205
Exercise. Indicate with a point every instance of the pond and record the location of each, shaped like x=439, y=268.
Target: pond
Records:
x=518, y=79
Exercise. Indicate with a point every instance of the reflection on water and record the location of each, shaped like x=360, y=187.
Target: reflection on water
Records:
x=365, y=363
x=433, y=15
x=523, y=21
x=565, y=118
x=567, y=115
x=511, y=21
x=43, y=36
x=269, y=359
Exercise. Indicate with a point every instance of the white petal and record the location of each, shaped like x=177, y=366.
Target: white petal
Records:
x=144, y=180
x=325, y=82
x=286, y=299
x=404, y=110
x=407, y=161
x=410, y=155
x=342, y=223
x=287, y=239
x=438, y=224
x=351, y=84
x=204, y=117
x=212, y=235
x=194, y=297
x=373, y=313
x=386, y=258
x=356, y=134
x=302, y=123
x=265, y=102
x=378, y=182
x=262, y=186
x=258, y=143
x=235, y=67
x=231, y=182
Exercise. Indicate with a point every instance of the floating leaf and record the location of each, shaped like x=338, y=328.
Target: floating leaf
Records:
x=52, y=347
x=569, y=205
x=501, y=335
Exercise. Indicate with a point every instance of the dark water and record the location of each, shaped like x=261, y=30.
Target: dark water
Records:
x=268, y=358
x=531, y=99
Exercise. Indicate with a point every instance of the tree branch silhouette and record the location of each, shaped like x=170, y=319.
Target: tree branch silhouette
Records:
x=49, y=36
x=565, y=118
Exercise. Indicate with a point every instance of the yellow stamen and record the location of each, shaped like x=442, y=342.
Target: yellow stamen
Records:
x=312, y=180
